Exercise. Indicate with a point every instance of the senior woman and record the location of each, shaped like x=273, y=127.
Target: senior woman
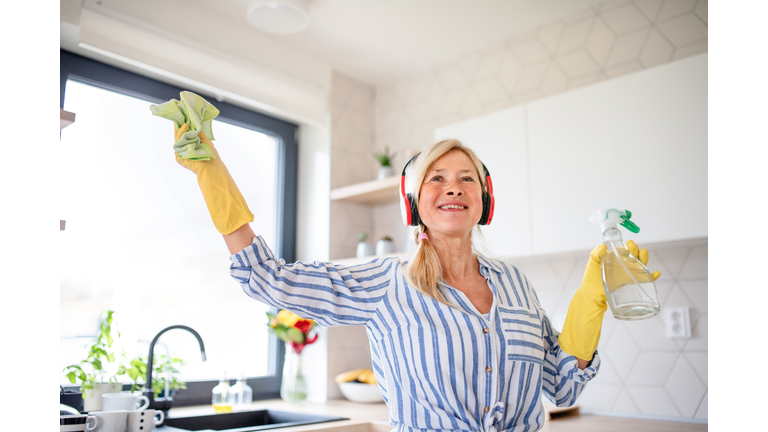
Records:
x=458, y=341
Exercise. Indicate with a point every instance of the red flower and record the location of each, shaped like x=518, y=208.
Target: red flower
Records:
x=303, y=325
x=298, y=348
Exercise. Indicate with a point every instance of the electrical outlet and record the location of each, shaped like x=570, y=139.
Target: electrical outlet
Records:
x=678, y=321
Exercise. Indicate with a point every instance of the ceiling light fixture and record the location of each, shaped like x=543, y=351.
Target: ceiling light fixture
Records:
x=279, y=16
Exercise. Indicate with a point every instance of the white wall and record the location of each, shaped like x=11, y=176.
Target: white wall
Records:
x=637, y=142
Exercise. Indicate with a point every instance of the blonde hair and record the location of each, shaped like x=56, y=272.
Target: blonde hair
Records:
x=424, y=271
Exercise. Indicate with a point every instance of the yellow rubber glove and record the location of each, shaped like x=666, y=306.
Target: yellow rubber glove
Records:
x=581, y=331
x=225, y=203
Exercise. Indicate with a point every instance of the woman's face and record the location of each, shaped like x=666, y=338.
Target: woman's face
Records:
x=450, y=201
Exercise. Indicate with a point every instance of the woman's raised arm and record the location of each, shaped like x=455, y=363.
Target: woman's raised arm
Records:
x=240, y=239
x=192, y=117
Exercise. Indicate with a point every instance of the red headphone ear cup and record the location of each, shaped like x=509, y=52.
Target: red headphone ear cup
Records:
x=489, y=202
x=490, y=211
x=486, y=208
x=413, y=208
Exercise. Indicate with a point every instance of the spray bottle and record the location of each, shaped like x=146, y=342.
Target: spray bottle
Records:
x=629, y=286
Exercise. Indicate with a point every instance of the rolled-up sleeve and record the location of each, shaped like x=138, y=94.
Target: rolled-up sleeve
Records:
x=562, y=380
x=329, y=294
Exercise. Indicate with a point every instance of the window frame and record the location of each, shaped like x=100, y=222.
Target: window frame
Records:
x=92, y=72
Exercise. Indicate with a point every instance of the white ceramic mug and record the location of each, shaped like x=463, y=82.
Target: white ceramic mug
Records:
x=111, y=421
x=126, y=401
x=77, y=423
x=144, y=421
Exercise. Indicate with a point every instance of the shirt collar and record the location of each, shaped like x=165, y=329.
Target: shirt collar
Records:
x=489, y=264
x=484, y=262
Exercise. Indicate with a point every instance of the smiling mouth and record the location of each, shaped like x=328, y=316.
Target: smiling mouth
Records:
x=452, y=207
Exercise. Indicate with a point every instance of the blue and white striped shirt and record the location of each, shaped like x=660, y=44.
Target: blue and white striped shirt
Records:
x=438, y=367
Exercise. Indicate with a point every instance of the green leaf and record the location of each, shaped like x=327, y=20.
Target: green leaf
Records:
x=134, y=373
x=71, y=377
x=281, y=334
x=295, y=335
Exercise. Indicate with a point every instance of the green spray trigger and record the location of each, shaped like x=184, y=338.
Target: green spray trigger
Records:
x=628, y=224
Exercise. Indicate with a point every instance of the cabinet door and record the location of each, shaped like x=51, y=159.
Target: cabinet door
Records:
x=499, y=141
x=637, y=142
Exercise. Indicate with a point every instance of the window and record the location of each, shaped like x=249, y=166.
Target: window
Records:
x=138, y=237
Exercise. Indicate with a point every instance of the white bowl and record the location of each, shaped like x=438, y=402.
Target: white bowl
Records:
x=361, y=392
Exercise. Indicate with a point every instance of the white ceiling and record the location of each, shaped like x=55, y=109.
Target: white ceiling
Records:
x=375, y=41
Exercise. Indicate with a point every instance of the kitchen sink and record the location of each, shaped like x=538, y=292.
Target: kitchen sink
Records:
x=243, y=421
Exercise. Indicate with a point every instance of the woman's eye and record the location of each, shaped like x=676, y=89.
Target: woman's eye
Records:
x=468, y=179
x=437, y=178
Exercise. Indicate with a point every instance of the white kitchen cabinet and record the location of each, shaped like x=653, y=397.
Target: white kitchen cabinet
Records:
x=637, y=142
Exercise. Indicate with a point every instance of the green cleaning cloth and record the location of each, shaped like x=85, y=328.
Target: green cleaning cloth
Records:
x=198, y=113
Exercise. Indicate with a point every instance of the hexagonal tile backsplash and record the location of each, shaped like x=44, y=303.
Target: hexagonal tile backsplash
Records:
x=644, y=373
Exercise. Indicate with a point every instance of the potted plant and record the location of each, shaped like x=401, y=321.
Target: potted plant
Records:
x=93, y=371
x=363, y=249
x=384, y=246
x=385, y=160
x=165, y=374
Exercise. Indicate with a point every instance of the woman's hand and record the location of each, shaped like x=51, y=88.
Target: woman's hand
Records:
x=581, y=332
x=192, y=165
x=225, y=203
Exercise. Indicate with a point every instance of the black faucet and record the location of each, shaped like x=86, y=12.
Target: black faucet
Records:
x=164, y=403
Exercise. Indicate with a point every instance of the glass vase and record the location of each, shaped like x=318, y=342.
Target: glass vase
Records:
x=293, y=389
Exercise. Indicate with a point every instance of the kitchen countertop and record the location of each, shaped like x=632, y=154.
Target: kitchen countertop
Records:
x=373, y=418
x=370, y=417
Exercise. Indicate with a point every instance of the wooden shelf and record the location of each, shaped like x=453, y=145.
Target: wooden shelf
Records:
x=374, y=192
x=66, y=117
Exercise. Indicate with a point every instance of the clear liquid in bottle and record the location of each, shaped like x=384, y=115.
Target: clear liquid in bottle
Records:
x=221, y=397
x=629, y=286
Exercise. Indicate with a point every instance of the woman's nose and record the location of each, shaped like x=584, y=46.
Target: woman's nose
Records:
x=453, y=189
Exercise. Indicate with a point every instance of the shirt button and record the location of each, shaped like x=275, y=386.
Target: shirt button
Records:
x=486, y=330
x=489, y=369
x=486, y=409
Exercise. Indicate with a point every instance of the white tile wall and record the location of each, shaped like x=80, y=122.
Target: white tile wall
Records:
x=352, y=104
x=605, y=41
x=352, y=126
x=643, y=372
x=348, y=349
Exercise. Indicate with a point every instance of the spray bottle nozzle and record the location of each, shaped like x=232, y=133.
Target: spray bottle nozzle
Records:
x=628, y=224
x=608, y=217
